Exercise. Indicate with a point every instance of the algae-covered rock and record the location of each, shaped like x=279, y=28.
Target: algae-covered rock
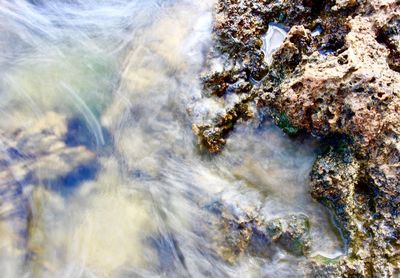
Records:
x=283, y=122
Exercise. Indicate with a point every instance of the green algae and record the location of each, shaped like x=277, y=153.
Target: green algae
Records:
x=325, y=260
x=284, y=123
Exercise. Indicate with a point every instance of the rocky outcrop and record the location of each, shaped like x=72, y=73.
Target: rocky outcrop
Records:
x=370, y=228
x=335, y=76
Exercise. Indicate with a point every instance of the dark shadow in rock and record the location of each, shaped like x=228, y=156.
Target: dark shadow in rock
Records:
x=366, y=194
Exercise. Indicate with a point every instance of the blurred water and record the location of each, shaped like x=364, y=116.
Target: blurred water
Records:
x=100, y=172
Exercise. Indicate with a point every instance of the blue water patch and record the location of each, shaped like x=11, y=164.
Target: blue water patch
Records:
x=69, y=183
x=214, y=207
x=80, y=174
x=79, y=134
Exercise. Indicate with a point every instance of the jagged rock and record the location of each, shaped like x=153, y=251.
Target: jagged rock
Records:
x=336, y=73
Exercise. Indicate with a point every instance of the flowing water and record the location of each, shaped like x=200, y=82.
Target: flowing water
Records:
x=100, y=172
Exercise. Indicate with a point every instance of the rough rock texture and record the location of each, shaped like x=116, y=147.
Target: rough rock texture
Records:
x=291, y=232
x=371, y=231
x=246, y=231
x=336, y=75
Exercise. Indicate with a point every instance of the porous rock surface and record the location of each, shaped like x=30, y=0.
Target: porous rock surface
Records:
x=335, y=76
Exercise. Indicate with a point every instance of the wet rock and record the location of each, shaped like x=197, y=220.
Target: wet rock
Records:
x=292, y=233
x=336, y=73
x=338, y=181
x=245, y=231
x=213, y=136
